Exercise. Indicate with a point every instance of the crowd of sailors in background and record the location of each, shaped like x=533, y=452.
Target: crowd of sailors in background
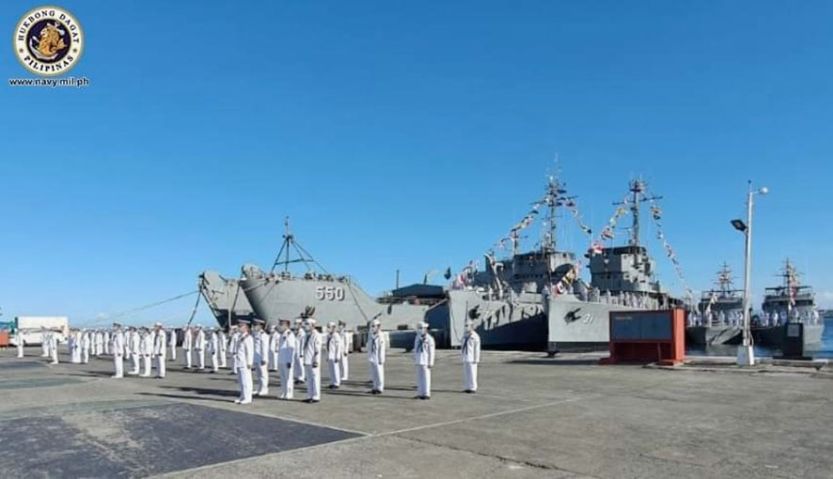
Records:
x=735, y=318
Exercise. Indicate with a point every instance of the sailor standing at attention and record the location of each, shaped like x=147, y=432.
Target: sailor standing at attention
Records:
x=53, y=346
x=18, y=340
x=234, y=341
x=222, y=343
x=187, y=345
x=172, y=343
x=376, y=357
x=99, y=343
x=146, y=349
x=274, y=344
x=106, y=341
x=261, y=358
x=311, y=357
x=334, y=355
x=243, y=361
x=213, y=349
x=286, y=358
x=85, y=346
x=160, y=350
x=199, y=347
x=44, y=345
x=470, y=351
x=118, y=351
x=298, y=368
x=135, y=349
x=345, y=349
x=424, y=360
x=74, y=344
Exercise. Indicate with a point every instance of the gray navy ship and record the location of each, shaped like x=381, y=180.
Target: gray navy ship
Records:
x=284, y=294
x=719, y=313
x=791, y=302
x=621, y=278
x=225, y=298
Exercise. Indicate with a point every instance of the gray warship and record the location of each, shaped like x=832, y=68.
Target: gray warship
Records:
x=225, y=298
x=719, y=315
x=284, y=294
x=621, y=278
x=791, y=302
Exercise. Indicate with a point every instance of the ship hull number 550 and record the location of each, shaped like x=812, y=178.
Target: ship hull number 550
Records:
x=329, y=293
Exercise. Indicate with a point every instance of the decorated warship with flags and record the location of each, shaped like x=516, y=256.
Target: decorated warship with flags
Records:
x=719, y=314
x=285, y=293
x=791, y=302
x=621, y=278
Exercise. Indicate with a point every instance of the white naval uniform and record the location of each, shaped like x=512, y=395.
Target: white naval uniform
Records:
x=99, y=343
x=243, y=360
x=19, y=341
x=172, y=343
x=135, y=350
x=345, y=359
x=44, y=345
x=187, y=347
x=376, y=357
x=160, y=352
x=199, y=347
x=334, y=356
x=118, y=354
x=274, y=344
x=286, y=358
x=311, y=357
x=298, y=367
x=470, y=352
x=106, y=342
x=223, y=343
x=213, y=347
x=261, y=361
x=424, y=361
x=85, y=347
x=75, y=347
x=146, y=349
x=53, y=347
x=234, y=341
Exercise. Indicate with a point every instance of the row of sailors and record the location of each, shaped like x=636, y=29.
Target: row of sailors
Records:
x=296, y=353
x=710, y=318
x=735, y=318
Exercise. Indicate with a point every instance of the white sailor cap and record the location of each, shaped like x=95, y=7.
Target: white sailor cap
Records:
x=331, y=324
x=422, y=325
x=375, y=322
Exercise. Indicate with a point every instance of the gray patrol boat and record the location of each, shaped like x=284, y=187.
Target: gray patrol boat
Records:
x=719, y=314
x=282, y=294
x=621, y=278
x=225, y=298
x=791, y=302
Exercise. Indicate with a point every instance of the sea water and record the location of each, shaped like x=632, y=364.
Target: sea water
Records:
x=823, y=350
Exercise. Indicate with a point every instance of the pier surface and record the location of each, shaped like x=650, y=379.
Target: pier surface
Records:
x=532, y=417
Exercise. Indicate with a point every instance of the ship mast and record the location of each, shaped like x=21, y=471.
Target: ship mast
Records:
x=724, y=279
x=553, y=199
x=637, y=189
x=289, y=243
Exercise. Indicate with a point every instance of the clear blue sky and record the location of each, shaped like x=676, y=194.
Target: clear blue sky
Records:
x=405, y=135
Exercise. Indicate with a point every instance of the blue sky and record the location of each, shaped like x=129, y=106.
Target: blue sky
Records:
x=404, y=135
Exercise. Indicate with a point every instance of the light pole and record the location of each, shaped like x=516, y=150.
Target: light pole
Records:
x=746, y=353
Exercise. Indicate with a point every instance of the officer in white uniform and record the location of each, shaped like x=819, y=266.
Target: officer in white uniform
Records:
x=18, y=335
x=334, y=355
x=146, y=350
x=261, y=358
x=188, y=345
x=53, y=347
x=106, y=341
x=243, y=361
x=311, y=357
x=424, y=360
x=85, y=346
x=376, y=356
x=199, y=347
x=470, y=352
x=160, y=350
x=223, y=345
x=74, y=344
x=135, y=349
x=298, y=368
x=44, y=345
x=274, y=344
x=214, y=349
x=118, y=351
x=172, y=343
x=345, y=350
x=234, y=340
x=286, y=358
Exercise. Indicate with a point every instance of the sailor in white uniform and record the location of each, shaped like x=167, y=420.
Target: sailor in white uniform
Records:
x=18, y=339
x=135, y=349
x=172, y=343
x=345, y=350
x=470, y=352
x=85, y=346
x=188, y=345
x=106, y=341
x=160, y=350
x=199, y=347
x=146, y=350
x=75, y=346
x=274, y=343
x=53, y=346
x=214, y=349
x=334, y=355
x=234, y=340
x=311, y=357
x=44, y=345
x=376, y=356
x=223, y=347
x=286, y=358
x=261, y=357
x=243, y=362
x=118, y=351
x=298, y=368
x=424, y=360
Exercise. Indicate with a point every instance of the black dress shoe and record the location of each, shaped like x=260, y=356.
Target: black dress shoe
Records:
x=315, y=401
x=308, y=401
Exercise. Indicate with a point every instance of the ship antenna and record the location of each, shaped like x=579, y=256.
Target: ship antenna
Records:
x=637, y=188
